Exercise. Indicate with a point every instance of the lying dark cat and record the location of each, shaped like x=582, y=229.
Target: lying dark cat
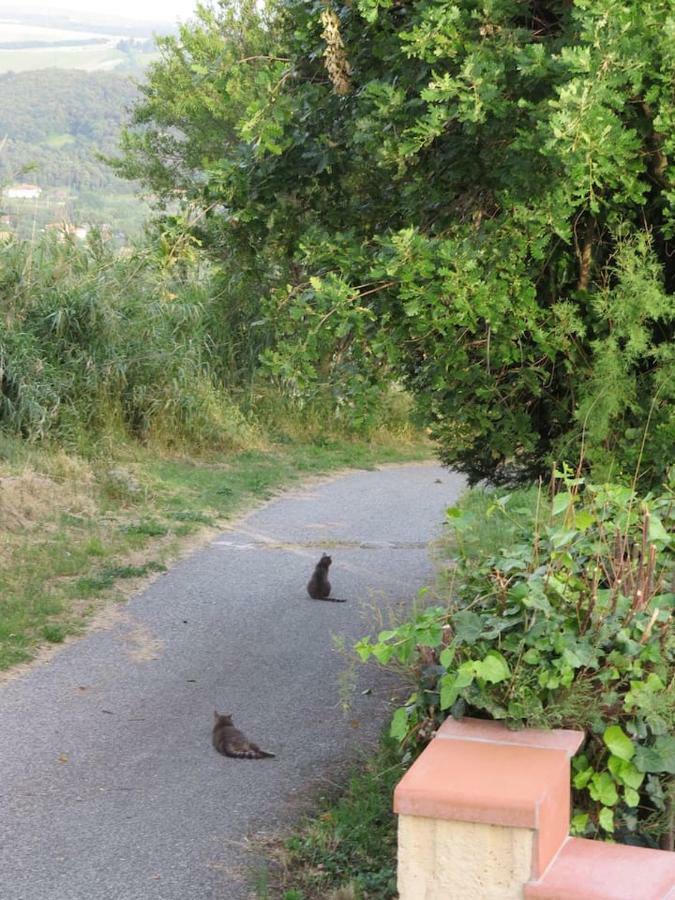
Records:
x=229, y=741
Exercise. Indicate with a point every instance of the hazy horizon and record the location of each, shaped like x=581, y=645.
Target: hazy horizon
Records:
x=146, y=10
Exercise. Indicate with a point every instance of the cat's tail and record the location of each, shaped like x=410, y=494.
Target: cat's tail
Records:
x=256, y=753
x=329, y=599
x=262, y=754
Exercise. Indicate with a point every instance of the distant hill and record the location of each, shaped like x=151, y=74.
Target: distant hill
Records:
x=53, y=123
x=65, y=87
x=56, y=120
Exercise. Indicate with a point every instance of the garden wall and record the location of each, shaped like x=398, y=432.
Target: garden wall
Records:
x=484, y=815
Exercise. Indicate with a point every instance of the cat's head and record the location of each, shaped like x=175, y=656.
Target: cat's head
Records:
x=222, y=720
x=325, y=560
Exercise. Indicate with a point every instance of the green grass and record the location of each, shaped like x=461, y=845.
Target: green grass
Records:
x=134, y=571
x=77, y=545
x=347, y=849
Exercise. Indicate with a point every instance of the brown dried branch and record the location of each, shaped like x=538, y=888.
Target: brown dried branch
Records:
x=585, y=256
x=335, y=57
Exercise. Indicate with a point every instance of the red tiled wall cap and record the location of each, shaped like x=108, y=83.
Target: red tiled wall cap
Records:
x=495, y=732
x=592, y=870
x=470, y=781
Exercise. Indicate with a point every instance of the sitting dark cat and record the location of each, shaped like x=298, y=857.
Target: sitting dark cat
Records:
x=318, y=586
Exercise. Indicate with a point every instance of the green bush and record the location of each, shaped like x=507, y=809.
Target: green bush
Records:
x=566, y=623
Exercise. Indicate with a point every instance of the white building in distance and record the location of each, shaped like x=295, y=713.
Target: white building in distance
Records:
x=22, y=192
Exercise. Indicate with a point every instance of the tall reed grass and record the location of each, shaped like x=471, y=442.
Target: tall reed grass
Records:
x=95, y=343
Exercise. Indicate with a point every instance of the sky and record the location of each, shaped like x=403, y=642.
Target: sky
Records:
x=162, y=10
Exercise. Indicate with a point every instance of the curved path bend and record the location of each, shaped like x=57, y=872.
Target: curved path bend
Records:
x=109, y=786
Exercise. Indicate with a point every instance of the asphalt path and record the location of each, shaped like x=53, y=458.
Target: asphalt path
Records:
x=109, y=786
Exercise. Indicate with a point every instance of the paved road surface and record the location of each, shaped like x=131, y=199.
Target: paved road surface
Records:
x=109, y=786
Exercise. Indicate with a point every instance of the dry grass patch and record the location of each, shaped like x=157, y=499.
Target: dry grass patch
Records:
x=32, y=500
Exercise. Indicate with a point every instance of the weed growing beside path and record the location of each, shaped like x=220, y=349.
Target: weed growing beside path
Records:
x=563, y=621
x=347, y=850
x=75, y=533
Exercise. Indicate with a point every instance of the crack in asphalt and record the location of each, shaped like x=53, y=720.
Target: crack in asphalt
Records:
x=327, y=544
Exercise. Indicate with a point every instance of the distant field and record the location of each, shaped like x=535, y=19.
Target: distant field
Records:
x=18, y=31
x=122, y=212
x=91, y=60
x=59, y=140
x=16, y=57
x=67, y=58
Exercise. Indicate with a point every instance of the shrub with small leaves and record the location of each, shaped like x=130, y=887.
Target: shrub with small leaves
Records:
x=472, y=198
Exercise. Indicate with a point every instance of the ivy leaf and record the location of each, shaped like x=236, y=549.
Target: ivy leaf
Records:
x=606, y=819
x=625, y=772
x=535, y=598
x=468, y=626
x=429, y=637
x=493, y=668
x=602, y=788
x=655, y=792
x=561, y=502
x=386, y=636
x=658, y=758
x=579, y=823
x=583, y=519
x=562, y=536
x=631, y=797
x=657, y=533
x=582, y=778
x=449, y=691
x=580, y=762
x=451, y=685
x=447, y=656
x=364, y=649
x=519, y=591
x=383, y=652
x=618, y=742
x=399, y=724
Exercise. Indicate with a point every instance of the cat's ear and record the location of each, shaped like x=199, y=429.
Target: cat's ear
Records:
x=215, y=715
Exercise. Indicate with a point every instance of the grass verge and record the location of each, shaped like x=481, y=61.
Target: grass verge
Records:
x=76, y=533
x=347, y=850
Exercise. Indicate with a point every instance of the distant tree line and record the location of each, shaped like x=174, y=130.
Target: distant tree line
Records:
x=136, y=45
